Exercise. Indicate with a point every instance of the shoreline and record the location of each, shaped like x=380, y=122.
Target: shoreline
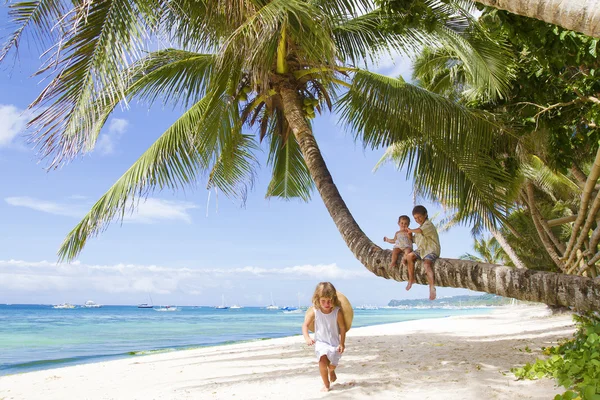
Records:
x=108, y=353
x=458, y=357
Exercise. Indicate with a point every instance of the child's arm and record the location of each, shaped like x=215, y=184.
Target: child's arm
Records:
x=342, y=326
x=391, y=241
x=308, y=318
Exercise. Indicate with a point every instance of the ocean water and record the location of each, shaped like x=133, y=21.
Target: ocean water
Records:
x=35, y=337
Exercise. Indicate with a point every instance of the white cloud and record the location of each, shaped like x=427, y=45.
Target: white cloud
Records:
x=107, y=141
x=153, y=210
x=25, y=276
x=12, y=123
x=118, y=125
x=66, y=210
x=147, y=211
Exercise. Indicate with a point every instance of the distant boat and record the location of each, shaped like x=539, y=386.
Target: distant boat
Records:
x=293, y=311
x=272, y=306
x=91, y=304
x=146, y=305
x=64, y=306
x=235, y=307
x=166, y=308
x=366, y=307
x=222, y=306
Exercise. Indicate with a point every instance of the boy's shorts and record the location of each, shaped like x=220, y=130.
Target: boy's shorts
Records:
x=429, y=256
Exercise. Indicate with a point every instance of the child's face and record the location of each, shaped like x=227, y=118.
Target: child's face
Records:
x=403, y=224
x=326, y=303
x=420, y=218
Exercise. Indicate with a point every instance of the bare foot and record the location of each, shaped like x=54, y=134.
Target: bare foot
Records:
x=324, y=389
x=410, y=283
x=432, y=293
x=332, y=375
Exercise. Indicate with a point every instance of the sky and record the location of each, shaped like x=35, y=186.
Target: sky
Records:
x=191, y=247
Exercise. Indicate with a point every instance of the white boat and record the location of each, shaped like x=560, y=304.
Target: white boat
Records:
x=272, y=306
x=166, y=308
x=222, y=306
x=63, y=306
x=235, y=307
x=91, y=304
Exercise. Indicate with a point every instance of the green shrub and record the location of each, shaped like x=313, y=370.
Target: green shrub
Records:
x=574, y=363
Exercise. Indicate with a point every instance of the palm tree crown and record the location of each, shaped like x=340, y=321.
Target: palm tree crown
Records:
x=265, y=65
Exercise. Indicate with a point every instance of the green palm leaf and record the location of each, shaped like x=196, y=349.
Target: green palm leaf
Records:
x=291, y=177
x=184, y=152
x=38, y=16
x=384, y=110
x=89, y=62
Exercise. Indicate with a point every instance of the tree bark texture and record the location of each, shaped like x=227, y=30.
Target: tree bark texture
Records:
x=577, y=15
x=579, y=292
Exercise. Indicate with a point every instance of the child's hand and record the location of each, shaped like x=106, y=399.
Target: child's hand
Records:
x=385, y=239
x=341, y=348
x=310, y=341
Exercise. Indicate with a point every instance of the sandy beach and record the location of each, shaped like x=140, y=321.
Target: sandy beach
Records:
x=465, y=357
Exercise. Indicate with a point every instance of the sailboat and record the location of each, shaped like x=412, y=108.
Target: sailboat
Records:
x=222, y=306
x=146, y=305
x=272, y=306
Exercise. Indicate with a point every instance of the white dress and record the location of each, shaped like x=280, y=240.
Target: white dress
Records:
x=327, y=335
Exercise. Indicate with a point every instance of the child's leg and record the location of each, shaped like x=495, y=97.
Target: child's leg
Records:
x=323, y=369
x=410, y=265
x=430, y=278
x=395, y=253
x=332, y=375
x=405, y=253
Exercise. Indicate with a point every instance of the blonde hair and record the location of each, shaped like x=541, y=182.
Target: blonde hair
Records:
x=327, y=290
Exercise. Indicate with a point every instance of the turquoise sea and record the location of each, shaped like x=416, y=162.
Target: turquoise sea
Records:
x=35, y=337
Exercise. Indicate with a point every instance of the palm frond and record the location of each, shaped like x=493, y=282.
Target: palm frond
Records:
x=488, y=64
x=384, y=110
x=39, y=17
x=549, y=181
x=255, y=43
x=191, y=147
x=290, y=178
x=88, y=62
x=344, y=8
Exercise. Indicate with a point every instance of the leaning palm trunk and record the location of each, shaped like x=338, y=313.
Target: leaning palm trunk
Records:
x=542, y=234
x=577, y=15
x=554, y=289
x=510, y=252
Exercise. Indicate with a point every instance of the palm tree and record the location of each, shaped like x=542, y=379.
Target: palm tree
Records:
x=488, y=250
x=272, y=65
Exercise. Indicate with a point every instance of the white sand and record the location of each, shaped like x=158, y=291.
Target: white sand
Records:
x=466, y=357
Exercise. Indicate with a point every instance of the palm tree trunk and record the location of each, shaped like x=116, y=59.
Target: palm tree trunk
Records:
x=536, y=217
x=583, y=205
x=510, y=252
x=579, y=292
x=577, y=15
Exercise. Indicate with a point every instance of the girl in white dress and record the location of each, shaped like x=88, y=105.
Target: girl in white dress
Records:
x=330, y=331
